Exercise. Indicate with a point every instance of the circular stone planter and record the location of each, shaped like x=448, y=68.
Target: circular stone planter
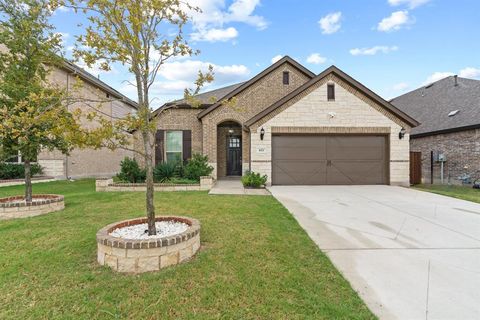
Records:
x=16, y=207
x=137, y=256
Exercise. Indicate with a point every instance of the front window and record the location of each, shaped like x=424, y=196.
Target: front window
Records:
x=174, y=146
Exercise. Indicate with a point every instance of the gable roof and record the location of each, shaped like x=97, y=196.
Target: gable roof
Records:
x=258, y=77
x=432, y=104
x=345, y=77
x=204, y=98
x=87, y=77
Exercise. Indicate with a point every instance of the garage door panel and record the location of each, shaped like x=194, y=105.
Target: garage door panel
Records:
x=355, y=172
x=299, y=172
x=316, y=160
x=292, y=148
x=358, y=148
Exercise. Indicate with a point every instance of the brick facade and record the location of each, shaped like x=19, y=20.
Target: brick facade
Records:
x=462, y=150
x=254, y=99
x=180, y=119
x=86, y=162
x=350, y=110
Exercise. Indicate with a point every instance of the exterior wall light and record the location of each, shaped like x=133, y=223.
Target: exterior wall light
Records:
x=262, y=133
x=401, y=134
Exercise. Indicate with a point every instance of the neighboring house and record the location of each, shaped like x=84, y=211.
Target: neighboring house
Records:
x=87, y=162
x=449, y=112
x=294, y=126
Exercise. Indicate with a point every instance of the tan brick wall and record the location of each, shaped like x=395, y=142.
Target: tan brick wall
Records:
x=351, y=110
x=86, y=162
x=250, y=102
x=462, y=150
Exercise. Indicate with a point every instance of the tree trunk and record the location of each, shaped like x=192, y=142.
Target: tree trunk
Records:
x=149, y=181
x=28, y=181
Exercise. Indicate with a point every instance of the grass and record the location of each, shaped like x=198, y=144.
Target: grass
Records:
x=459, y=192
x=256, y=263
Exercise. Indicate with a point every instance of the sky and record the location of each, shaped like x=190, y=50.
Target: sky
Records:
x=391, y=46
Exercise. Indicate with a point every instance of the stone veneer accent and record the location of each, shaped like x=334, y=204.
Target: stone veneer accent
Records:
x=353, y=113
x=48, y=203
x=138, y=256
x=107, y=185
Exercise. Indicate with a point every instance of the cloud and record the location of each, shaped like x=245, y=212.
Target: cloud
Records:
x=401, y=86
x=437, y=76
x=316, y=58
x=411, y=4
x=187, y=70
x=469, y=72
x=276, y=58
x=214, y=35
x=372, y=51
x=215, y=15
x=331, y=22
x=395, y=21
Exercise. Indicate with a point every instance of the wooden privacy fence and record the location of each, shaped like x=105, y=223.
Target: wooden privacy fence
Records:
x=415, y=168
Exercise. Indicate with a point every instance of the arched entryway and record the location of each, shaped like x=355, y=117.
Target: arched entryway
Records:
x=229, y=149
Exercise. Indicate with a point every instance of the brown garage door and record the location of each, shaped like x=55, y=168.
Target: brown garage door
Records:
x=340, y=160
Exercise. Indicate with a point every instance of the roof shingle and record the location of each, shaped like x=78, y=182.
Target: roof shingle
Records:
x=431, y=104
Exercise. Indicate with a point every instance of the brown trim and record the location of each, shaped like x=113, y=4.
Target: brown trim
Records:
x=255, y=79
x=442, y=131
x=349, y=80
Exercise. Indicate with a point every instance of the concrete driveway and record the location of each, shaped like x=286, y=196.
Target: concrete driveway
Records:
x=409, y=254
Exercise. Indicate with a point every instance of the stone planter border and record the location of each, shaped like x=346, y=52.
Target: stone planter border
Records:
x=17, y=182
x=13, y=210
x=138, y=256
x=107, y=185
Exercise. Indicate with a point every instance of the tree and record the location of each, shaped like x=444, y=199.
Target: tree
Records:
x=33, y=112
x=137, y=34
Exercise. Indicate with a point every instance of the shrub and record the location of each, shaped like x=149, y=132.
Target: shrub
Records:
x=254, y=180
x=130, y=171
x=165, y=171
x=17, y=171
x=197, y=167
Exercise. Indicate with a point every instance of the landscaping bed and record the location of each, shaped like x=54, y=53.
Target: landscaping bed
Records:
x=256, y=262
x=14, y=207
x=125, y=246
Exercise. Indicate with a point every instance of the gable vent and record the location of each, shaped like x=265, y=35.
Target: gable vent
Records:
x=453, y=113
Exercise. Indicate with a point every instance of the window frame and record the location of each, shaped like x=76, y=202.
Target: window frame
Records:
x=166, y=144
x=331, y=86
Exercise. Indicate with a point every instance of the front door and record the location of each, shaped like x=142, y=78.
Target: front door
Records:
x=234, y=156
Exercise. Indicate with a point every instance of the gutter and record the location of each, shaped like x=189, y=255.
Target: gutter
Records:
x=443, y=131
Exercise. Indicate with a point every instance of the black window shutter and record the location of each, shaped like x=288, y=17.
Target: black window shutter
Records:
x=159, y=143
x=187, y=144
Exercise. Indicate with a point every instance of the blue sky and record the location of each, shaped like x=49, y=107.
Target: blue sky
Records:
x=391, y=46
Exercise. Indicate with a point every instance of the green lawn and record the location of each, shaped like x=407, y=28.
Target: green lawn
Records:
x=460, y=192
x=255, y=263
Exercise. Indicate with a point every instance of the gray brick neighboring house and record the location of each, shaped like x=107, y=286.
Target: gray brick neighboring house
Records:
x=294, y=126
x=449, y=113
